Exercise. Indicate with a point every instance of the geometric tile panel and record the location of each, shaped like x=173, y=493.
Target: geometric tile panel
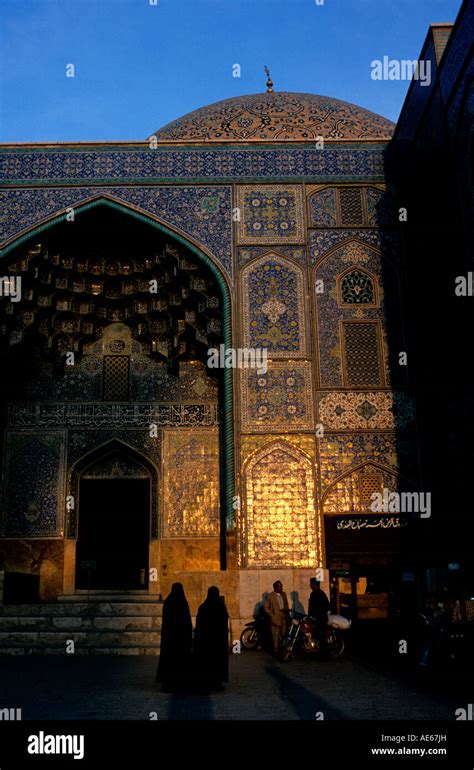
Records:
x=369, y=484
x=116, y=378
x=361, y=346
x=350, y=201
x=273, y=307
x=270, y=214
x=279, y=400
x=365, y=410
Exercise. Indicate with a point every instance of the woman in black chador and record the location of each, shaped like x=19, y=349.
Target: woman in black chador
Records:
x=211, y=640
x=176, y=639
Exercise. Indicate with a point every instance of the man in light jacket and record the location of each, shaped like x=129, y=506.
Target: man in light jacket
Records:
x=277, y=610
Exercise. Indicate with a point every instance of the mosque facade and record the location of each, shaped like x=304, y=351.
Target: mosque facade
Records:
x=264, y=228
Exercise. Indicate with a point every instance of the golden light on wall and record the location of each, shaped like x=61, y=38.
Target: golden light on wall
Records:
x=191, y=483
x=281, y=527
x=352, y=493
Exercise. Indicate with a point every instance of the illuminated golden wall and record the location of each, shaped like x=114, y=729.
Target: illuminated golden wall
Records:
x=280, y=525
x=190, y=483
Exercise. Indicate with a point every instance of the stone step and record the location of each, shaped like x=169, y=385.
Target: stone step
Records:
x=74, y=609
x=81, y=622
x=83, y=595
x=139, y=650
x=111, y=623
x=94, y=638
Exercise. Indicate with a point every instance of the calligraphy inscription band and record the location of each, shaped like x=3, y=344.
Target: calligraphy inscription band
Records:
x=96, y=415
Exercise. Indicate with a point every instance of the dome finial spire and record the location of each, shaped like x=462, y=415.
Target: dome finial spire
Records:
x=269, y=81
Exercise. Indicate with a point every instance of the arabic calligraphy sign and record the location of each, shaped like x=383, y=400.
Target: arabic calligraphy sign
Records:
x=374, y=522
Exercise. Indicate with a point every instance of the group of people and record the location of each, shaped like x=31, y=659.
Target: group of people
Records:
x=277, y=609
x=203, y=659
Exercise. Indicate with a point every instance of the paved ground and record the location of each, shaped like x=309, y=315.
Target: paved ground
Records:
x=260, y=688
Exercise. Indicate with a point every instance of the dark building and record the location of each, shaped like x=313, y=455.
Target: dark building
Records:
x=432, y=154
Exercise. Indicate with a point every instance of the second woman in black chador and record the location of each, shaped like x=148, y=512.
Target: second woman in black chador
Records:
x=211, y=640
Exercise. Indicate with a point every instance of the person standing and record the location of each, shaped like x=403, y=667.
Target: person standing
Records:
x=277, y=609
x=318, y=608
x=174, y=665
x=211, y=640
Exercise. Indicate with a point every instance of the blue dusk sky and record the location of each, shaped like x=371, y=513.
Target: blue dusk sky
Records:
x=141, y=63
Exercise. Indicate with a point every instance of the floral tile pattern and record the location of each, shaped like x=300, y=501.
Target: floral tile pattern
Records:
x=272, y=214
x=279, y=399
x=273, y=307
x=365, y=410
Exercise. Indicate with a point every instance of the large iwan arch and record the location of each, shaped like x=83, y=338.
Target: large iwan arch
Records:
x=226, y=403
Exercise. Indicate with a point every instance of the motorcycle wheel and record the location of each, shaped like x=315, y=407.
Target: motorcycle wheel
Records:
x=286, y=650
x=250, y=639
x=337, y=647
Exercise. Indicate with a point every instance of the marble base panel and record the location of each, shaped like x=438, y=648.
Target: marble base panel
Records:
x=188, y=555
x=254, y=585
x=43, y=557
x=196, y=585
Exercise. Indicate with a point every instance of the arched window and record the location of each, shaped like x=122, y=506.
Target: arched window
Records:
x=282, y=527
x=357, y=288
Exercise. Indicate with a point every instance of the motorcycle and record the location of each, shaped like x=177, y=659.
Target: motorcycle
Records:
x=256, y=634
x=302, y=635
x=442, y=644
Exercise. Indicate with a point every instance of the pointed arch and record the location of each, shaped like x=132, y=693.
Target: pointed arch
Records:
x=272, y=251
x=273, y=305
x=103, y=452
x=369, y=469
x=372, y=278
x=105, y=199
x=350, y=240
x=228, y=459
x=355, y=469
x=281, y=525
x=110, y=447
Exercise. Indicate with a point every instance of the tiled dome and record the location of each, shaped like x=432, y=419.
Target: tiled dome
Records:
x=277, y=117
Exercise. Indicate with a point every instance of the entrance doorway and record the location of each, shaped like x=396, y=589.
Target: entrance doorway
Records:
x=114, y=534
x=363, y=589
